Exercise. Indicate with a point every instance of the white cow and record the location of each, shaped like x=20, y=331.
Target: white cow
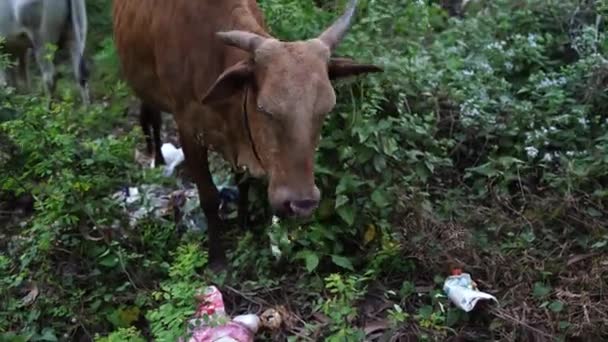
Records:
x=34, y=24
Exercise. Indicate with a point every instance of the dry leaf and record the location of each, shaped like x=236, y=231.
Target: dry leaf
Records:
x=31, y=296
x=370, y=234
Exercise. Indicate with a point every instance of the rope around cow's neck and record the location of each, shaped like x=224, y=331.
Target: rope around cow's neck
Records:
x=248, y=128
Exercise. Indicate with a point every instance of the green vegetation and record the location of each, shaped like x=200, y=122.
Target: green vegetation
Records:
x=483, y=145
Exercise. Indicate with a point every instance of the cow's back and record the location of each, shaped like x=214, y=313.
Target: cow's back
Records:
x=10, y=29
x=21, y=20
x=168, y=49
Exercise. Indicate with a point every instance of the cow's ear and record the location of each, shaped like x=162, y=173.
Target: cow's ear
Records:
x=229, y=82
x=340, y=67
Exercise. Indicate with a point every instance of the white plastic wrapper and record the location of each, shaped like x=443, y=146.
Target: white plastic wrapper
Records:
x=463, y=292
x=173, y=157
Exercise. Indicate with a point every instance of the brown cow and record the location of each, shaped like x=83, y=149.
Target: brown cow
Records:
x=234, y=89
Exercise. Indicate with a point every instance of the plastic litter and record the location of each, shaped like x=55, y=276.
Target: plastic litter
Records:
x=173, y=157
x=463, y=292
x=181, y=206
x=178, y=203
x=212, y=324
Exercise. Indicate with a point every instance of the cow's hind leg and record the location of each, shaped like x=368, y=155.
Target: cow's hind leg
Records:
x=198, y=167
x=144, y=121
x=151, y=122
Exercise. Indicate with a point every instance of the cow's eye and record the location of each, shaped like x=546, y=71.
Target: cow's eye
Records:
x=263, y=110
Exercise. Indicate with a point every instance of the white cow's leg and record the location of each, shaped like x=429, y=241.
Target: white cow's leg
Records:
x=81, y=71
x=46, y=66
x=11, y=76
x=8, y=79
x=24, y=73
x=6, y=74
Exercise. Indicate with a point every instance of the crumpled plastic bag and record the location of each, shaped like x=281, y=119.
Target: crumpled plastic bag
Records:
x=463, y=292
x=173, y=157
x=212, y=324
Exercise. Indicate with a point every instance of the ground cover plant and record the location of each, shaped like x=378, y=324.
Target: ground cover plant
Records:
x=483, y=145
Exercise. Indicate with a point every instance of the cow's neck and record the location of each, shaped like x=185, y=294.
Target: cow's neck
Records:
x=246, y=153
x=244, y=156
x=235, y=140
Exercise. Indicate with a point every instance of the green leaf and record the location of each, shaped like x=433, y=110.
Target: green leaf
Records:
x=110, y=260
x=379, y=197
x=407, y=289
x=341, y=200
x=540, y=290
x=556, y=306
x=348, y=183
x=342, y=262
x=425, y=312
x=10, y=336
x=312, y=261
x=486, y=169
x=47, y=335
x=422, y=172
x=347, y=213
x=593, y=212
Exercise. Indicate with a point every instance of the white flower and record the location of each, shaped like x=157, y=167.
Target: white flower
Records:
x=469, y=109
x=532, y=151
x=548, y=157
x=499, y=45
x=485, y=67
x=532, y=40
x=550, y=82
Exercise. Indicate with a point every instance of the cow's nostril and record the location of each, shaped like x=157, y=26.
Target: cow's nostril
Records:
x=303, y=206
x=287, y=207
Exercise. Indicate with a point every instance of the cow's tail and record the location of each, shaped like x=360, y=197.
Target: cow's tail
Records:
x=78, y=14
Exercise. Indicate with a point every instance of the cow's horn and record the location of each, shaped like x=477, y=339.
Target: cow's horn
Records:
x=242, y=39
x=334, y=34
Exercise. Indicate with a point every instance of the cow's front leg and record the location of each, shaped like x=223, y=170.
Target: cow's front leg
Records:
x=198, y=165
x=3, y=78
x=242, y=182
x=81, y=69
x=47, y=68
x=23, y=71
